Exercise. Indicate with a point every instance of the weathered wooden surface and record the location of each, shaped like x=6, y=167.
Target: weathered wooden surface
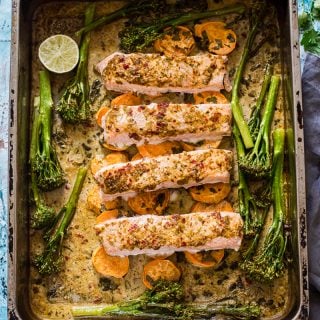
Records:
x=5, y=35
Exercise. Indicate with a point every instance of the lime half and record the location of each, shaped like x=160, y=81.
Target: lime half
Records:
x=59, y=53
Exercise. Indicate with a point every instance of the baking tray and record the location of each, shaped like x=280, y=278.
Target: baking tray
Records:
x=21, y=76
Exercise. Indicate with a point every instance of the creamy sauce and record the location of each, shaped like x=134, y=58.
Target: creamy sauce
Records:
x=78, y=283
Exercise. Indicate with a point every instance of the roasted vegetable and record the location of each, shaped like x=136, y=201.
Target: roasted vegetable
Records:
x=161, y=149
x=51, y=259
x=109, y=266
x=253, y=217
x=100, y=114
x=268, y=263
x=45, y=166
x=43, y=214
x=255, y=119
x=165, y=300
x=216, y=37
x=154, y=202
x=74, y=104
x=159, y=269
x=210, y=193
x=256, y=19
x=136, y=38
x=210, y=97
x=257, y=162
x=175, y=42
x=126, y=99
x=130, y=10
x=107, y=215
x=206, y=259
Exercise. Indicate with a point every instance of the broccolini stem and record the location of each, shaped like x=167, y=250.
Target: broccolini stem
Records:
x=45, y=110
x=268, y=115
x=82, y=70
x=171, y=311
x=278, y=138
x=126, y=10
x=254, y=121
x=235, y=100
x=34, y=147
x=118, y=14
x=71, y=205
x=192, y=16
x=93, y=310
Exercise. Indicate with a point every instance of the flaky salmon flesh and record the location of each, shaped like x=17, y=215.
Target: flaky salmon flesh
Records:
x=153, y=74
x=158, y=122
x=153, y=235
x=186, y=169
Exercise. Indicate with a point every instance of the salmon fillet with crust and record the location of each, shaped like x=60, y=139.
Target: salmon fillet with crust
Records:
x=153, y=74
x=152, y=234
x=186, y=169
x=156, y=123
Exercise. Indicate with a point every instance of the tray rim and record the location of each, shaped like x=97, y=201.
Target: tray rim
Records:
x=303, y=305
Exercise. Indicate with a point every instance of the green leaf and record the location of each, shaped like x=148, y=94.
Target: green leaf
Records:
x=311, y=41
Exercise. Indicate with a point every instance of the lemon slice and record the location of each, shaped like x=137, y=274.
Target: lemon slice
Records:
x=59, y=53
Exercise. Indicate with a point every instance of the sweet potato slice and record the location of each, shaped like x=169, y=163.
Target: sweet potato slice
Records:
x=161, y=149
x=176, y=42
x=137, y=156
x=101, y=112
x=220, y=40
x=210, y=97
x=210, y=193
x=109, y=266
x=107, y=215
x=207, y=259
x=96, y=204
x=159, y=269
x=204, y=207
x=111, y=158
x=126, y=99
x=150, y=202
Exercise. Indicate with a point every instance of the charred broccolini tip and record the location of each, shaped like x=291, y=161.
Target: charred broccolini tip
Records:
x=137, y=38
x=74, y=104
x=51, y=259
x=166, y=300
x=268, y=263
x=45, y=166
x=258, y=161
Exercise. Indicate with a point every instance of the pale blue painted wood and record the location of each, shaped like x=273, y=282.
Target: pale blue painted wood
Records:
x=5, y=35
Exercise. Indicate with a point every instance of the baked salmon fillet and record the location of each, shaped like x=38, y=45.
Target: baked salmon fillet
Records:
x=153, y=74
x=186, y=169
x=155, y=123
x=152, y=234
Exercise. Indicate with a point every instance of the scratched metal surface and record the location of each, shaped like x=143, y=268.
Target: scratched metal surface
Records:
x=5, y=35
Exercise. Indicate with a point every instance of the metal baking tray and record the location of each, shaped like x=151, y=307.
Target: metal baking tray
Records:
x=20, y=88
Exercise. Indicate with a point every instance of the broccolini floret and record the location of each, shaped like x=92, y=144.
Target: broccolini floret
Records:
x=267, y=264
x=258, y=161
x=45, y=166
x=74, y=104
x=51, y=259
